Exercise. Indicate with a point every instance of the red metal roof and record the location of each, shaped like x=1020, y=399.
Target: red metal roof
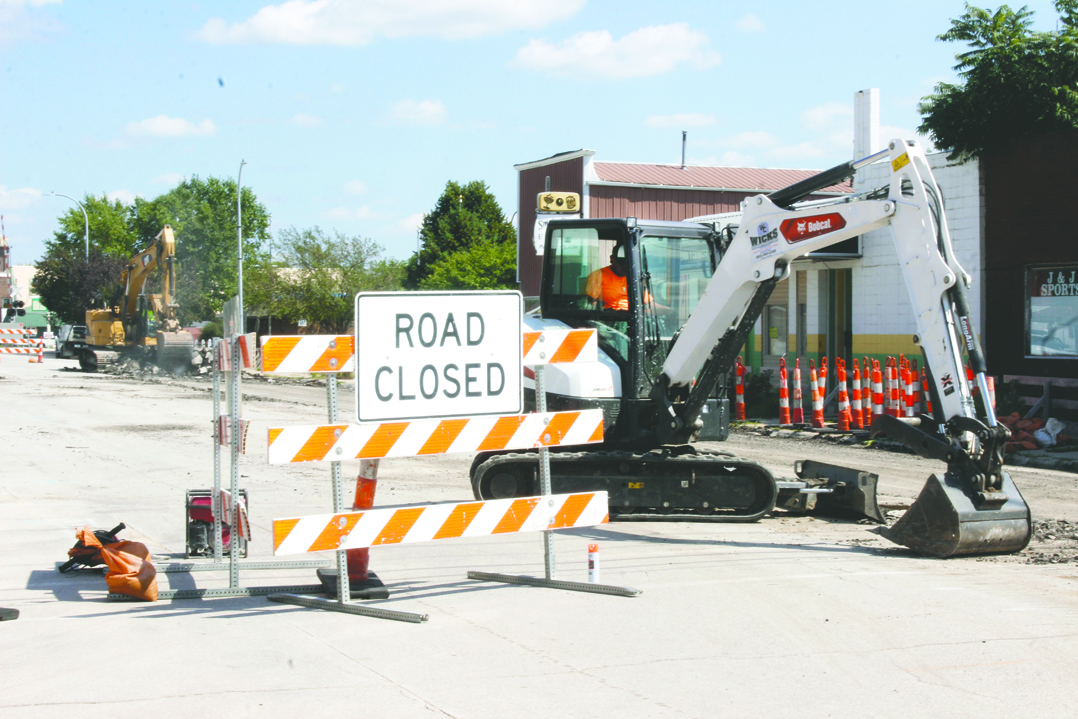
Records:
x=733, y=178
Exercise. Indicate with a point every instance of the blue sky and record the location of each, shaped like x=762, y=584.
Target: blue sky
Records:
x=353, y=114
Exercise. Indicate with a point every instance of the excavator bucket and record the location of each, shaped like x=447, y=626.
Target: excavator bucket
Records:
x=945, y=522
x=174, y=350
x=844, y=491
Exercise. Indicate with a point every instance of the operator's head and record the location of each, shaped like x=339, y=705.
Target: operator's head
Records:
x=618, y=262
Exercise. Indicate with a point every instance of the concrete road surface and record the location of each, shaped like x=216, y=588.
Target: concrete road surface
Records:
x=789, y=617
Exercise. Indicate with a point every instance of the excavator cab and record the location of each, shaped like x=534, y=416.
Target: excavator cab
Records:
x=636, y=283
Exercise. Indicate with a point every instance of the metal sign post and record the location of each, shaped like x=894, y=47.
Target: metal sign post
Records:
x=228, y=352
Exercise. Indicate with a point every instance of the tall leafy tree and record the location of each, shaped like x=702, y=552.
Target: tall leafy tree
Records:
x=1015, y=82
x=465, y=219
x=202, y=214
x=484, y=266
x=111, y=233
x=315, y=276
x=69, y=285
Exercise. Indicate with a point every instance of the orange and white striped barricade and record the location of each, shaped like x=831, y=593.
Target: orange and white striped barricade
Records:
x=559, y=346
x=14, y=341
x=784, y=394
x=426, y=523
x=856, y=417
x=337, y=442
x=817, y=400
x=308, y=354
x=990, y=382
x=739, y=390
x=844, y=413
x=797, y=409
x=878, y=408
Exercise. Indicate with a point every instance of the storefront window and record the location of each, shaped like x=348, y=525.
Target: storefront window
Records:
x=1053, y=311
x=775, y=337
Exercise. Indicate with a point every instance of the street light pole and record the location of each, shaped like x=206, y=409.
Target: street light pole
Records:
x=239, y=241
x=84, y=216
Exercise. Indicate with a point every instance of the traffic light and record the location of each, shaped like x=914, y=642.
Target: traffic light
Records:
x=18, y=305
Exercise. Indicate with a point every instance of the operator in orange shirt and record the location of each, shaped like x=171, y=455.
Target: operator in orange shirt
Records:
x=610, y=284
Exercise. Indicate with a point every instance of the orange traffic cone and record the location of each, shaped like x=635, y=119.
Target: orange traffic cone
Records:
x=784, y=394
x=877, y=390
x=817, y=400
x=739, y=390
x=844, y=415
x=855, y=396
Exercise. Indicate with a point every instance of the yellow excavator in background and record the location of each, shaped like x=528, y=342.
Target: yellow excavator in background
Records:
x=140, y=325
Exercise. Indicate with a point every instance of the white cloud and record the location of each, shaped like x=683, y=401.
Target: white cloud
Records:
x=750, y=23
x=411, y=223
x=302, y=119
x=424, y=112
x=357, y=22
x=642, y=53
x=350, y=213
x=17, y=199
x=169, y=178
x=165, y=126
x=337, y=88
x=828, y=115
x=680, y=121
x=355, y=187
x=124, y=196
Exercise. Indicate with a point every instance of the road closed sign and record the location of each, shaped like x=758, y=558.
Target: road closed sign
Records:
x=438, y=354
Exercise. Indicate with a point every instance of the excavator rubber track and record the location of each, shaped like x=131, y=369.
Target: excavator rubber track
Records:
x=667, y=483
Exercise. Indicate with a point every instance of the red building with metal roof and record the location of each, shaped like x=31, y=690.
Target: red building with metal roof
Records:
x=646, y=191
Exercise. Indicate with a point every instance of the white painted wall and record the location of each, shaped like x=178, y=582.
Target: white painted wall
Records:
x=881, y=304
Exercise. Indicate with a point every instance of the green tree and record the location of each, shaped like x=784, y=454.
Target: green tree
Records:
x=465, y=218
x=484, y=266
x=316, y=277
x=1016, y=82
x=69, y=285
x=110, y=229
x=202, y=214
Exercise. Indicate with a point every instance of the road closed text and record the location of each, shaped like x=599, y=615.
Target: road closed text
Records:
x=437, y=354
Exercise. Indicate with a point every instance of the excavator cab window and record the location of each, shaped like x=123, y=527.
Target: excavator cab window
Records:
x=574, y=291
x=676, y=271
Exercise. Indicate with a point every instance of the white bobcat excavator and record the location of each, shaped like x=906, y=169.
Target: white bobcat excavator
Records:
x=694, y=291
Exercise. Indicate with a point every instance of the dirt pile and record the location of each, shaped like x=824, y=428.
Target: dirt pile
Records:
x=1055, y=541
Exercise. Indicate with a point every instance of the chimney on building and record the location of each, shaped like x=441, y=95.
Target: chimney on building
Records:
x=866, y=122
